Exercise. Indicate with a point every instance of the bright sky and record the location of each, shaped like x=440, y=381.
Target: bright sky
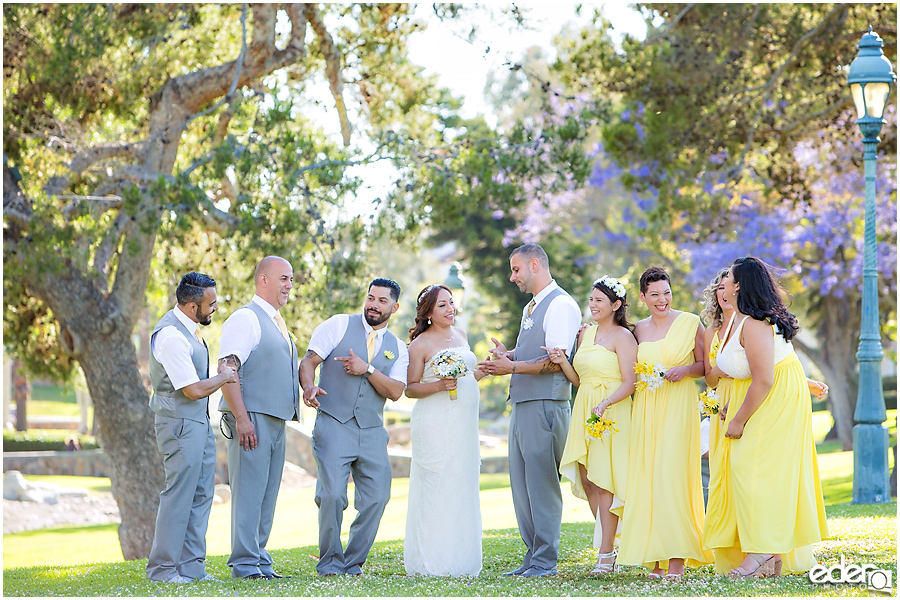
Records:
x=463, y=66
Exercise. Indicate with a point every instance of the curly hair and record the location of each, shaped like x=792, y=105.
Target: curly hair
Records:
x=424, y=307
x=759, y=296
x=712, y=312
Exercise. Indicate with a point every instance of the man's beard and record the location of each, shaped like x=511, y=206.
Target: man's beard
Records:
x=376, y=321
x=201, y=318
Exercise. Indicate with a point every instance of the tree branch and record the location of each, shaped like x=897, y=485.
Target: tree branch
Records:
x=670, y=24
x=85, y=159
x=332, y=67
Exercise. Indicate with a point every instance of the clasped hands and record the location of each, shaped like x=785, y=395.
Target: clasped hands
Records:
x=228, y=371
x=498, y=362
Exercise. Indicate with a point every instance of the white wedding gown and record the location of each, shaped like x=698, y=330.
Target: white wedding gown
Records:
x=443, y=521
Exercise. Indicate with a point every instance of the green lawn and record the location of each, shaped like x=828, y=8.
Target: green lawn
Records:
x=861, y=533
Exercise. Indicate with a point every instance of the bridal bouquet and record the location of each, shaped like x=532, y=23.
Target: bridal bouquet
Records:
x=650, y=376
x=449, y=364
x=600, y=426
x=709, y=403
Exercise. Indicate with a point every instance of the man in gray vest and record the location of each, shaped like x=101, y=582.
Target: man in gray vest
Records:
x=179, y=371
x=540, y=394
x=256, y=341
x=362, y=364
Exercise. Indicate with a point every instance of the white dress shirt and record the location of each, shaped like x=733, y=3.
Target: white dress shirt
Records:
x=562, y=319
x=174, y=352
x=241, y=331
x=329, y=334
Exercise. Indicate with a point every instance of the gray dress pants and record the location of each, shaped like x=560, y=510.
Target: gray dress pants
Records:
x=537, y=436
x=342, y=449
x=255, y=477
x=189, y=459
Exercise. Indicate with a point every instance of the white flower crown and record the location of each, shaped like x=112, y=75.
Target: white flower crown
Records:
x=613, y=284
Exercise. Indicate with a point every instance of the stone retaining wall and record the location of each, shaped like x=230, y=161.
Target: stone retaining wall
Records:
x=87, y=463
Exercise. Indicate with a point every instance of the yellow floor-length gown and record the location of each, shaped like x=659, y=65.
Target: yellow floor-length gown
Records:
x=606, y=458
x=663, y=516
x=773, y=470
x=719, y=525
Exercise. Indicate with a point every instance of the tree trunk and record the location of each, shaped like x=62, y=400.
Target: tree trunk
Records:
x=21, y=394
x=838, y=336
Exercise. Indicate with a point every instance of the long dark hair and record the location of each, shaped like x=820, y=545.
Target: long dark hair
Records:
x=761, y=297
x=424, y=307
x=620, y=317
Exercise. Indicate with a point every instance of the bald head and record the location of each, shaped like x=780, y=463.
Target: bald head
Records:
x=274, y=280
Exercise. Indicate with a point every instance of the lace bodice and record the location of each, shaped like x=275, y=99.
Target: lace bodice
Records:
x=732, y=357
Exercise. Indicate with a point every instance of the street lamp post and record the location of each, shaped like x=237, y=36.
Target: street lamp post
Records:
x=871, y=77
x=456, y=284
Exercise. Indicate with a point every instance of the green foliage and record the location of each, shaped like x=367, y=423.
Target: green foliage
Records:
x=41, y=440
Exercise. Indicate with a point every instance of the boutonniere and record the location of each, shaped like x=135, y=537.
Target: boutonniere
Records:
x=389, y=355
x=527, y=323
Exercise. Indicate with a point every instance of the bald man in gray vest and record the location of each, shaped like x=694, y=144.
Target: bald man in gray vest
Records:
x=363, y=364
x=256, y=341
x=540, y=394
x=179, y=372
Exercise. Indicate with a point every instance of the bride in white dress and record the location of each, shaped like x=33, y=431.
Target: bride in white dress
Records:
x=443, y=521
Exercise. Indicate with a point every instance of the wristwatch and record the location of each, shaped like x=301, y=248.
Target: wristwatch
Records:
x=370, y=370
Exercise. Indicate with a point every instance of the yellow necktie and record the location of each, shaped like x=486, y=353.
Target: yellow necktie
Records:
x=284, y=331
x=197, y=334
x=370, y=344
x=531, y=306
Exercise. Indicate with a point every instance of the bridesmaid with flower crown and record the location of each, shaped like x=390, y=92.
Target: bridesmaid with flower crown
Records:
x=663, y=518
x=602, y=368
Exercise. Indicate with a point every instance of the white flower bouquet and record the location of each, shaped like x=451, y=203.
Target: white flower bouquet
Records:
x=650, y=376
x=449, y=364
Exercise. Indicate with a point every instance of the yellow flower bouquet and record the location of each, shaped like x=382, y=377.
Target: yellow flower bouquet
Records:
x=598, y=427
x=449, y=364
x=650, y=376
x=709, y=403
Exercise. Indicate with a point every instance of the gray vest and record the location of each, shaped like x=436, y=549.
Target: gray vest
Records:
x=352, y=395
x=166, y=401
x=551, y=386
x=270, y=381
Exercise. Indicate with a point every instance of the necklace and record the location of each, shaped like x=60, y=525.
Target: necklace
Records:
x=599, y=337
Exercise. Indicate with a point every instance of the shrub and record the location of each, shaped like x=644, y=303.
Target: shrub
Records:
x=35, y=440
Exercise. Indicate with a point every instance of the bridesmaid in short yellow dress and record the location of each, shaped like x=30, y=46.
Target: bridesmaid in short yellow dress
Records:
x=603, y=371
x=663, y=519
x=775, y=491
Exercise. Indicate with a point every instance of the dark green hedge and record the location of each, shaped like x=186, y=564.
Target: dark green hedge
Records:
x=35, y=440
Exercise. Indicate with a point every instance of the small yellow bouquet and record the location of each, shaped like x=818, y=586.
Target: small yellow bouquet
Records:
x=449, y=364
x=650, y=376
x=709, y=403
x=600, y=426
x=714, y=351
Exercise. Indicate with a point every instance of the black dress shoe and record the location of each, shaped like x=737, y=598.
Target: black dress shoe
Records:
x=256, y=576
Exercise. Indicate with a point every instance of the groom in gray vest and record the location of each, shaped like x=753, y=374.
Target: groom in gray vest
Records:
x=540, y=394
x=179, y=371
x=256, y=341
x=363, y=364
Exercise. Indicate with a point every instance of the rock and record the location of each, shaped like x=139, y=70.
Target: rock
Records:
x=16, y=487
x=223, y=493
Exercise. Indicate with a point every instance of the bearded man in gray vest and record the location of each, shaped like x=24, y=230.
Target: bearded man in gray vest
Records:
x=363, y=364
x=540, y=394
x=179, y=372
x=255, y=339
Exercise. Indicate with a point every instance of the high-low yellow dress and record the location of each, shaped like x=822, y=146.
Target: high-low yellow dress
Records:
x=720, y=510
x=606, y=458
x=663, y=516
x=772, y=471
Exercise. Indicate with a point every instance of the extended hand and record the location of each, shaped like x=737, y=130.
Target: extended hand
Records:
x=246, y=434
x=353, y=365
x=309, y=396
x=600, y=408
x=498, y=366
x=499, y=350
x=557, y=355
x=817, y=388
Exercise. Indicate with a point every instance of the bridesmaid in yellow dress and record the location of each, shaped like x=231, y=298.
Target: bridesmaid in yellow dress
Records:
x=663, y=518
x=775, y=489
x=718, y=314
x=603, y=370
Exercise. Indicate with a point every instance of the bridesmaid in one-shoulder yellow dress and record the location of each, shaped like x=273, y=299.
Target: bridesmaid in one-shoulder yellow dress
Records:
x=602, y=368
x=663, y=519
x=778, y=509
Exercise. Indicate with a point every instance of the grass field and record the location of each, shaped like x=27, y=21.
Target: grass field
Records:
x=86, y=561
